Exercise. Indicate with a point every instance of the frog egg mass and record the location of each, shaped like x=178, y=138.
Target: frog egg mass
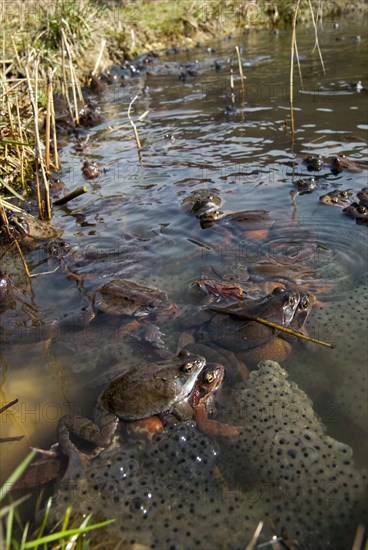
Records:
x=185, y=489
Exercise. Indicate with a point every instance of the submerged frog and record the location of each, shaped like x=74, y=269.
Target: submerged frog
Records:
x=358, y=211
x=313, y=162
x=337, y=198
x=124, y=297
x=252, y=341
x=363, y=196
x=92, y=170
x=306, y=185
x=215, y=289
x=338, y=164
x=205, y=205
x=143, y=391
x=131, y=307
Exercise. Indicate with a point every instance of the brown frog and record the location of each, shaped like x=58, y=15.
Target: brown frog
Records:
x=143, y=391
x=313, y=162
x=251, y=341
x=363, y=196
x=207, y=383
x=23, y=226
x=215, y=289
x=129, y=307
x=340, y=163
x=205, y=205
x=342, y=199
x=92, y=170
x=358, y=211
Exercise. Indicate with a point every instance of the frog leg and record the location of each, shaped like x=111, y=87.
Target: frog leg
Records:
x=99, y=433
x=212, y=426
x=148, y=332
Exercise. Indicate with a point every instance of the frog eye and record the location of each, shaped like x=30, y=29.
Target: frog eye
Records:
x=303, y=304
x=209, y=378
x=361, y=209
x=334, y=199
x=188, y=367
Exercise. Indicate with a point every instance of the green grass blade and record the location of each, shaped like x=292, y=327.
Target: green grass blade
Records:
x=14, y=142
x=13, y=191
x=4, y=490
x=9, y=527
x=64, y=534
x=45, y=518
x=24, y=536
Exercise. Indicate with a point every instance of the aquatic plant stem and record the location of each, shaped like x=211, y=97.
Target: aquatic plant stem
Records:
x=72, y=77
x=44, y=210
x=293, y=41
x=242, y=87
x=99, y=57
x=137, y=140
x=316, y=44
x=70, y=196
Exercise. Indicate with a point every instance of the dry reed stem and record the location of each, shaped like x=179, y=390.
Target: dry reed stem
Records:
x=21, y=139
x=65, y=81
x=252, y=543
x=293, y=41
x=316, y=44
x=298, y=62
x=44, y=211
x=232, y=93
x=47, y=129
x=99, y=57
x=70, y=196
x=74, y=80
x=25, y=266
x=240, y=69
x=53, y=122
x=139, y=146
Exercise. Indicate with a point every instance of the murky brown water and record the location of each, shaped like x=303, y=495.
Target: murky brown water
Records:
x=131, y=223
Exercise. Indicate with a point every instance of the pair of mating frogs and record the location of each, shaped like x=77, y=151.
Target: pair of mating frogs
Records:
x=181, y=386
x=357, y=209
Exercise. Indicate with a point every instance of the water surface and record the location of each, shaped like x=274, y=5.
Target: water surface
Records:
x=131, y=223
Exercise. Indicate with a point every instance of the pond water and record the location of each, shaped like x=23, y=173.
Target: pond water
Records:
x=133, y=224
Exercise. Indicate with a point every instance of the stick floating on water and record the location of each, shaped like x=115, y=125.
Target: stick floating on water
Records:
x=281, y=328
x=70, y=196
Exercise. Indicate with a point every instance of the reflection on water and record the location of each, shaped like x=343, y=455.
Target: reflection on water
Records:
x=132, y=225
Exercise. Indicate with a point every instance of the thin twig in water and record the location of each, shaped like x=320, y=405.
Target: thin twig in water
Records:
x=70, y=196
x=251, y=544
x=240, y=69
x=276, y=326
x=34, y=275
x=25, y=266
x=139, y=146
x=316, y=44
x=8, y=405
x=232, y=83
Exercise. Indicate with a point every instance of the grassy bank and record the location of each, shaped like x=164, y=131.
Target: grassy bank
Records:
x=67, y=39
